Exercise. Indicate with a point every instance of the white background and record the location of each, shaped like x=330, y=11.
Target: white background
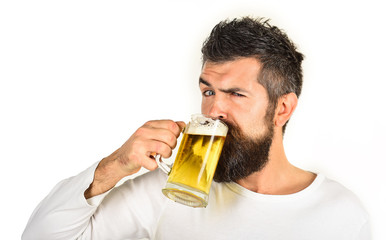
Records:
x=79, y=77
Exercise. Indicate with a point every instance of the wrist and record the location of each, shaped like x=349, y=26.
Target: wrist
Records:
x=106, y=176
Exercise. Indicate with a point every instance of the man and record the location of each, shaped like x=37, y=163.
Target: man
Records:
x=251, y=79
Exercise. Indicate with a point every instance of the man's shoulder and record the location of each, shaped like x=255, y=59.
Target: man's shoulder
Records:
x=334, y=189
x=336, y=195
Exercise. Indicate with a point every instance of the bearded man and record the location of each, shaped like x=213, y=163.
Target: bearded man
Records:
x=251, y=79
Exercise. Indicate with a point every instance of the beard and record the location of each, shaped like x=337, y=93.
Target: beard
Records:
x=241, y=155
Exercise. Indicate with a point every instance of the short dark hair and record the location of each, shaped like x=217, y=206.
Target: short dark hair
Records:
x=249, y=37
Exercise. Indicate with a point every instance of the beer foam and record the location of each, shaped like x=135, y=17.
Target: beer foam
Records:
x=201, y=125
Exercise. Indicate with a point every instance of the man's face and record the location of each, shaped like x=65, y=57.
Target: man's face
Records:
x=231, y=92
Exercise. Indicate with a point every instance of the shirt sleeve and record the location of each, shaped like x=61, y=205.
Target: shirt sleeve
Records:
x=64, y=213
x=365, y=232
x=131, y=210
x=128, y=211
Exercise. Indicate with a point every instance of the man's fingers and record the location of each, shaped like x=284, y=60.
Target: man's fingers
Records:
x=165, y=136
x=149, y=163
x=157, y=134
x=154, y=137
x=156, y=147
x=172, y=126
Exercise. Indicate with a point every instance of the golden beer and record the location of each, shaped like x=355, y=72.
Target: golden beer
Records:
x=196, y=161
x=195, y=164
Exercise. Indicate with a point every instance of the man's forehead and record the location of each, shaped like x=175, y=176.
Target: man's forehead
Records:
x=242, y=69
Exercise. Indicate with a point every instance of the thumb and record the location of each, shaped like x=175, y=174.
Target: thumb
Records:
x=181, y=124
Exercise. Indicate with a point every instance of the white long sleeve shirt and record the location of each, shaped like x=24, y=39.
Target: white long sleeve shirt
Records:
x=137, y=209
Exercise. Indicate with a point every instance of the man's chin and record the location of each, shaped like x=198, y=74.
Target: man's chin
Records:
x=242, y=156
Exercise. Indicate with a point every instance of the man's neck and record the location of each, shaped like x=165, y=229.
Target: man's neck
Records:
x=279, y=176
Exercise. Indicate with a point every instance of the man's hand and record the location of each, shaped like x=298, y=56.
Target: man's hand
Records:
x=154, y=137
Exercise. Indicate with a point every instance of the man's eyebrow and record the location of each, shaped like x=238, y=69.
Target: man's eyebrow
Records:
x=230, y=90
x=204, y=82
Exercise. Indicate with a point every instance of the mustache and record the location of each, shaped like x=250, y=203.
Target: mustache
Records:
x=233, y=128
x=234, y=132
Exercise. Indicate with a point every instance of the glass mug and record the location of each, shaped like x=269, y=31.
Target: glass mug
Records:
x=192, y=173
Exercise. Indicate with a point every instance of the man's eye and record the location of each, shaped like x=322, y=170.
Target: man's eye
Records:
x=237, y=94
x=208, y=93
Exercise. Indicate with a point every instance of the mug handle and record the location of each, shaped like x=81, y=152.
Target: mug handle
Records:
x=166, y=168
x=162, y=165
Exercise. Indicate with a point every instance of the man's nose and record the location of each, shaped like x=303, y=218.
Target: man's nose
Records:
x=218, y=110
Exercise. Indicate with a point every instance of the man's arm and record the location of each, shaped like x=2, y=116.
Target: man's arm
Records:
x=153, y=137
x=65, y=213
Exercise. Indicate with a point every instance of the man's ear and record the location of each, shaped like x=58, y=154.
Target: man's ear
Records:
x=285, y=107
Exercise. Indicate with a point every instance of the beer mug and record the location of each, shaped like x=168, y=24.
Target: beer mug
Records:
x=191, y=175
